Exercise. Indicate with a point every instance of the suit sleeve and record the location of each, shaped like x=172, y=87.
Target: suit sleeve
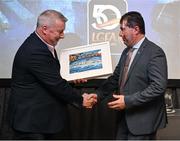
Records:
x=112, y=83
x=46, y=71
x=157, y=81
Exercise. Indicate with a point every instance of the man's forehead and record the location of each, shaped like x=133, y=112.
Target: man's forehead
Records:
x=123, y=23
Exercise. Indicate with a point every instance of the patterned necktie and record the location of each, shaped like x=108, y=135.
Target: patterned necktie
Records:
x=126, y=66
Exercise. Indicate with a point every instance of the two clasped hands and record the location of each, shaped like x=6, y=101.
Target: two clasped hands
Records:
x=89, y=100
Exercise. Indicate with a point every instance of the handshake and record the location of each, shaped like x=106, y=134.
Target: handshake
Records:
x=118, y=103
x=89, y=100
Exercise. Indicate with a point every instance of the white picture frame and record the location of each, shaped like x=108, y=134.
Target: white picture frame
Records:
x=88, y=61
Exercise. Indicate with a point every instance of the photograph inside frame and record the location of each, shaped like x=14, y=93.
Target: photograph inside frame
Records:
x=88, y=61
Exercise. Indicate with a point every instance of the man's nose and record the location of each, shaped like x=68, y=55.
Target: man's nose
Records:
x=62, y=35
x=120, y=33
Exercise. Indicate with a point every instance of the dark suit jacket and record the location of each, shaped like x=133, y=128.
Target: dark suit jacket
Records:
x=39, y=93
x=144, y=89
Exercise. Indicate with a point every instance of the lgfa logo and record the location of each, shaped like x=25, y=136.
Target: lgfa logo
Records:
x=103, y=20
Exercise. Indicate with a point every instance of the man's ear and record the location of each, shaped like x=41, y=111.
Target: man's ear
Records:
x=136, y=29
x=44, y=29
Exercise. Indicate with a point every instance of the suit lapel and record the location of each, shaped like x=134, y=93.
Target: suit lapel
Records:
x=123, y=60
x=56, y=57
x=45, y=47
x=136, y=58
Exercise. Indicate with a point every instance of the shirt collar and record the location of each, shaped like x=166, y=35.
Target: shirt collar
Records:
x=50, y=47
x=138, y=44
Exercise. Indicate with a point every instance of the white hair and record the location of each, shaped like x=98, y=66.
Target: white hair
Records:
x=48, y=17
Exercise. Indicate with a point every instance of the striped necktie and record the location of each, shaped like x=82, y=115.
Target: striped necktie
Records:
x=126, y=66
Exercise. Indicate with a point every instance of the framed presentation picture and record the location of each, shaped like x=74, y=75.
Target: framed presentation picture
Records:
x=88, y=61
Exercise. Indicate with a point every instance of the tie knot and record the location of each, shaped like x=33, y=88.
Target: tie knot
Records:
x=131, y=49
